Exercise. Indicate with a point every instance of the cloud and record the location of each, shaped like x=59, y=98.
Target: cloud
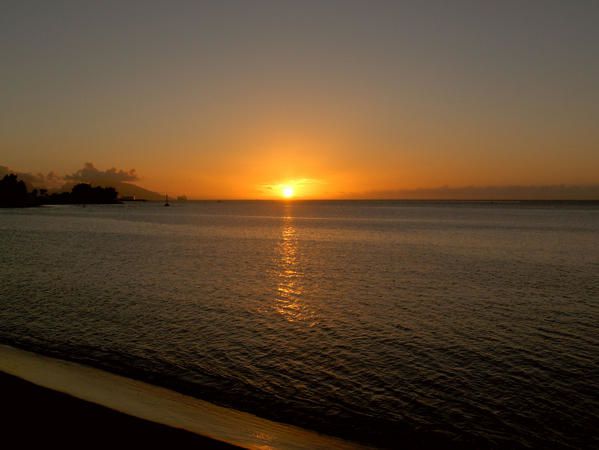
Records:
x=89, y=173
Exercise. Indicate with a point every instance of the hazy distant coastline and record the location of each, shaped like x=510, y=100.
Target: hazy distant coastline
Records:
x=120, y=180
x=489, y=193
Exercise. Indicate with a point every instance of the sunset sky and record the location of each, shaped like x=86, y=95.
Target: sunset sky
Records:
x=236, y=99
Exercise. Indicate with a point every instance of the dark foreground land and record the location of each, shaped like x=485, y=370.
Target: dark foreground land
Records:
x=32, y=416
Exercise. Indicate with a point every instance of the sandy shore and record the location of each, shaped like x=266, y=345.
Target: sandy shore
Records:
x=33, y=415
x=65, y=402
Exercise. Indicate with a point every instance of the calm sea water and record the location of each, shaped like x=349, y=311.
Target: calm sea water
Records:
x=384, y=322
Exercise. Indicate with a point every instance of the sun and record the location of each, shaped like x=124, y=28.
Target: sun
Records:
x=287, y=192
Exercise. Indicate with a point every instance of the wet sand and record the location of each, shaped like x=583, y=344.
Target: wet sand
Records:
x=35, y=416
x=46, y=399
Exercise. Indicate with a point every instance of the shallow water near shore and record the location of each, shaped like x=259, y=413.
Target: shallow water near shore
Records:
x=381, y=322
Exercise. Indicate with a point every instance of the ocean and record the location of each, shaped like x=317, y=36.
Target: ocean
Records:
x=385, y=323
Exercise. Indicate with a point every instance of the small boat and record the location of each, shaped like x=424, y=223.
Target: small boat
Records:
x=166, y=203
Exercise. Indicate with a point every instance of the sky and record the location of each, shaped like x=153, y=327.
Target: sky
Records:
x=339, y=99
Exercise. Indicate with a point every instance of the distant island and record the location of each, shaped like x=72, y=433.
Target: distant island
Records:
x=14, y=194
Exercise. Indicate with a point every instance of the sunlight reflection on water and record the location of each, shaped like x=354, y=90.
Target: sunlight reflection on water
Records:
x=289, y=301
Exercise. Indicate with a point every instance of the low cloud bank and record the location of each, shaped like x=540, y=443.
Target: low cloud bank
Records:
x=90, y=173
x=515, y=192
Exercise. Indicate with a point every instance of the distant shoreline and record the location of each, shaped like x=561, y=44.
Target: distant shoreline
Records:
x=404, y=202
x=384, y=200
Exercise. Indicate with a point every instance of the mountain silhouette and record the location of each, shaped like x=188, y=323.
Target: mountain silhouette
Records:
x=124, y=189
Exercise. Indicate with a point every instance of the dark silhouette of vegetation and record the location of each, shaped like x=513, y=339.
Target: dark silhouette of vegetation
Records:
x=14, y=194
x=85, y=193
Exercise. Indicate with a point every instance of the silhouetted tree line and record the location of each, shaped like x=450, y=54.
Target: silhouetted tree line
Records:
x=14, y=194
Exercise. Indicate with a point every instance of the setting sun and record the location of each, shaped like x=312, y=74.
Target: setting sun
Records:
x=288, y=192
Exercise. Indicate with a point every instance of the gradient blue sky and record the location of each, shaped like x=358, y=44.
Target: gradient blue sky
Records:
x=236, y=98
